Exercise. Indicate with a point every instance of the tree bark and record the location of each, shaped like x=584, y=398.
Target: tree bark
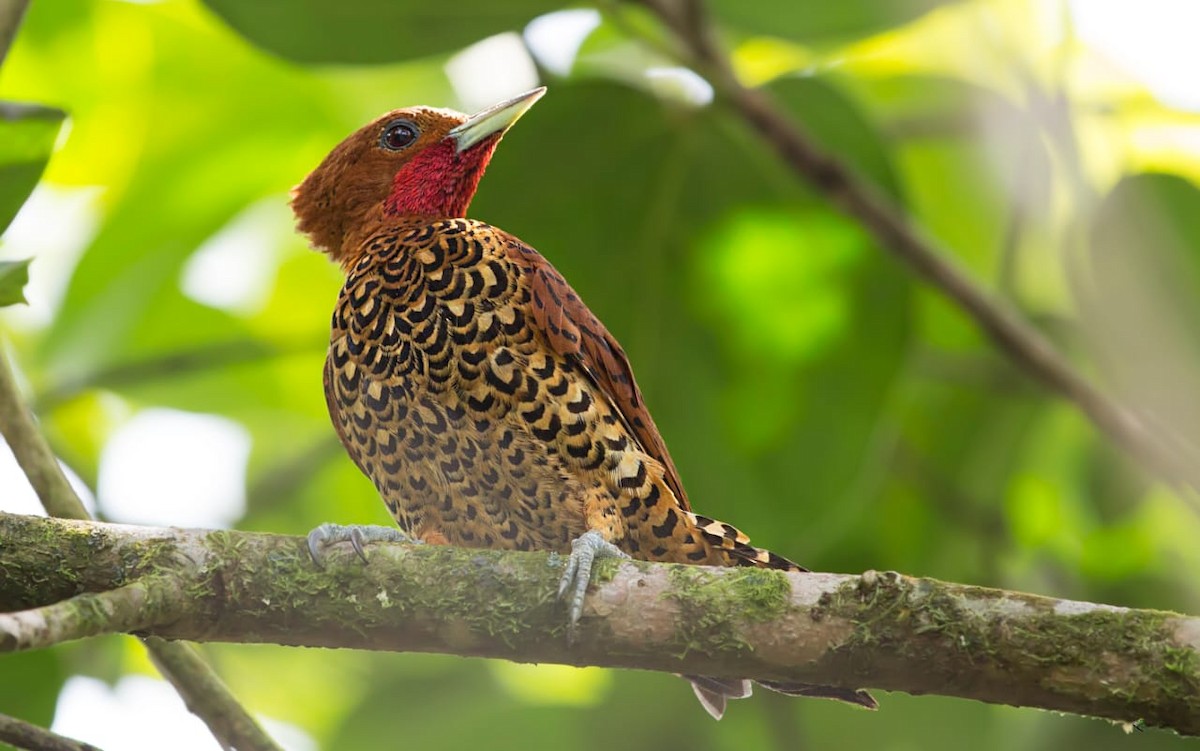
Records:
x=877, y=630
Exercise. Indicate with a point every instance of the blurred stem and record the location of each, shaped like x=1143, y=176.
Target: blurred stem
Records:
x=885, y=631
x=21, y=734
x=11, y=13
x=204, y=358
x=1160, y=451
x=33, y=454
x=233, y=727
x=207, y=696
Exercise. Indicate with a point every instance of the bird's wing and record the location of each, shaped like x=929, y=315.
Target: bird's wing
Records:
x=337, y=414
x=574, y=331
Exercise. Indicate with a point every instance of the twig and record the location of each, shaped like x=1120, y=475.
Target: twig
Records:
x=876, y=630
x=184, y=668
x=206, y=695
x=1023, y=343
x=26, y=735
x=123, y=610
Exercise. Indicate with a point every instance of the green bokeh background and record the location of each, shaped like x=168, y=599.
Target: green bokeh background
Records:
x=811, y=391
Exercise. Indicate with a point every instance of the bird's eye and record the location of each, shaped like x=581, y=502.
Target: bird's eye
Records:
x=397, y=135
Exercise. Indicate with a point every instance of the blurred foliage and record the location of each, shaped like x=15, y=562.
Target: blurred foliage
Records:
x=14, y=275
x=372, y=31
x=27, y=135
x=810, y=391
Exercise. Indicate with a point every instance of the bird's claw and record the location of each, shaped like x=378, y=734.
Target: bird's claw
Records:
x=358, y=535
x=577, y=573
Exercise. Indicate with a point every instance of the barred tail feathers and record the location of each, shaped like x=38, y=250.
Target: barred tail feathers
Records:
x=850, y=696
x=737, y=547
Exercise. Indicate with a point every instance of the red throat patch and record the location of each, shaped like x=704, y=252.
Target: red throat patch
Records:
x=439, y=181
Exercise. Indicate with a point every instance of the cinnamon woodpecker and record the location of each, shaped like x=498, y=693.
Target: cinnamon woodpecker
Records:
x=472, y=385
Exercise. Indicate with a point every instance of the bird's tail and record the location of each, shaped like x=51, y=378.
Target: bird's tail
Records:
x=736, y=545
x=848, y=695
x=713, y=693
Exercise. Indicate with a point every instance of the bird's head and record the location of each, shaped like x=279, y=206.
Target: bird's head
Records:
x=415, y=162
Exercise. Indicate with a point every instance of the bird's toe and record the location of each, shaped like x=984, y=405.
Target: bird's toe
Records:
x=577, y=573
x=358, y=535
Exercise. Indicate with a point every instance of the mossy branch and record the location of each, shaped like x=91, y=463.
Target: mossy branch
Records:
x=882, y=631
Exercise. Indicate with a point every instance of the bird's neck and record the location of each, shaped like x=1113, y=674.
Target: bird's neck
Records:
x=359, y=241
x=438, y=182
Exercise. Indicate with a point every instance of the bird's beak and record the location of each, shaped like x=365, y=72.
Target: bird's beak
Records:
x=495, y=119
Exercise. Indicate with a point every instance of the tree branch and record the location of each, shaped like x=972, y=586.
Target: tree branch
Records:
x=11, y=12
x=879, y=630
x=894, y=230
x=26, y=735
x=203, y=692
x=121, y=610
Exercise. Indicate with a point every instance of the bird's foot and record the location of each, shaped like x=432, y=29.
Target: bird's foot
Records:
x=358, y=535
x=585, y=549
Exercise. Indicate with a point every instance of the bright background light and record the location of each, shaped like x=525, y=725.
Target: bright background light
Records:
x=234, y=268
x=1152, y=40
x=555, y=38
x=16, y=494
x=166, y=467
x=52, y=227
x=145, y=714
x=491, y=70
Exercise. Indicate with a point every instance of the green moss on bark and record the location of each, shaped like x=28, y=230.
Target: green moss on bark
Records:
x=1071, y=652
x=470, y=593
x=713, y=607
x=47, y=570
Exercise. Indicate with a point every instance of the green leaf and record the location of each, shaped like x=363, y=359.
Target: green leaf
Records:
x=14, y=275
x=1143, y=305
x=372, y=31
x=31, y=685
x=812, y=22
x=27, y=133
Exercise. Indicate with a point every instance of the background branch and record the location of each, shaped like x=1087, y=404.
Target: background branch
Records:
x=32, y=452
x=893, y=230
x=878, y=630
x=11, y=13
x=26, y=735
x=203, y=692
